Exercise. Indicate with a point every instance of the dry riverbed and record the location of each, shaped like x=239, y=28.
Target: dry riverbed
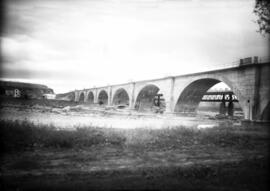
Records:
x=149, y=152
x=100, y=117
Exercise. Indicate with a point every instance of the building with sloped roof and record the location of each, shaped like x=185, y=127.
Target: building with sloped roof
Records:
x=24, y=90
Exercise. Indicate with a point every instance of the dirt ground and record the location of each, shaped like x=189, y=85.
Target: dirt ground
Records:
x=164, y=165
x=100, y=117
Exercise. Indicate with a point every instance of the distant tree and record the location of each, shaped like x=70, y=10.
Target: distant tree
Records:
x=262, y=10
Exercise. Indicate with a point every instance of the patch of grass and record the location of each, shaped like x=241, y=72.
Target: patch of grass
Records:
x=245, y=175
x=26, y=164
x=177, y=137
x=23, y=135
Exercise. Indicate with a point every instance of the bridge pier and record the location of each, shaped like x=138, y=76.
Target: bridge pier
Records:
x=222, y=108
x=132, y=96
x=110, y=96
x=170, y=103
x=96, y=96
x=230, y=109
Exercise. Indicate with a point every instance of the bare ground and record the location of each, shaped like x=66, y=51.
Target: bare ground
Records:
x=165, y=164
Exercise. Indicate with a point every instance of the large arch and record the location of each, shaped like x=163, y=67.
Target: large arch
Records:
x=71, y=96
x=120, y=97
x=103, y=98
x=146, y=101
x=81, y=97
x=192, y=94
x=266, y=113
x=90, y=97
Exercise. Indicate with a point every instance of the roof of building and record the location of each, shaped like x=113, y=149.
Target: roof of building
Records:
x=22, y=85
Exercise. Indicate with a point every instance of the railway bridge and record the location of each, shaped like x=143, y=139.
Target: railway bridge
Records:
x=249, y=83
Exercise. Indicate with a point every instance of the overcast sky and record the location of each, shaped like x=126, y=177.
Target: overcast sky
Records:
x=68, y=44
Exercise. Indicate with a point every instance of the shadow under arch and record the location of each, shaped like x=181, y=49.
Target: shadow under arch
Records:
x=120, y=97
x=146, y=101
x=192, y=94
x=103, y=98
x=71, y=96
x=81, y=97
x=90, y=97
x=266, y=113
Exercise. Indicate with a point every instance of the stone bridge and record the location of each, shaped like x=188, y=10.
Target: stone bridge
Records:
x=249, y=82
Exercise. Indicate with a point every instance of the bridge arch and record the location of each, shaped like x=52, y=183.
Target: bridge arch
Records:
x=71, y=96
x=103, y=98
x=191, y=95
x=266, y=113
x=90, y=97
x=120, y=97
x=81, y=97
x=146, y=97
